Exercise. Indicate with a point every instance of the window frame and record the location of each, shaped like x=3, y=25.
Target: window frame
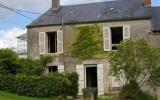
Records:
x=51, y=69
x=48, y=47
x=110, y=35
x=57, y=52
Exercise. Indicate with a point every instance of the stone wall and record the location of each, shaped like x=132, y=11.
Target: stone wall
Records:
x=139, y=29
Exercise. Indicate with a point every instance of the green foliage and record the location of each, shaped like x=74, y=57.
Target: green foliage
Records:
x=73, y=78
x=43, y=86
x=136, y=64
x=34, y=67
x=30, y=67
x=45, y=59
x=154, y=78
x=89, y=42
x=134, y=61
x=89, y=92
x=132, y=91
x=8, y=62
x=10, y=96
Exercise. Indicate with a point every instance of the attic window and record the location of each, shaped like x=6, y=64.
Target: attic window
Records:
x=52, y=42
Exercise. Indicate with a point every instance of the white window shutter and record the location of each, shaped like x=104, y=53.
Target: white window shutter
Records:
x=59, y=41
x=81, y=82
x=42, y=42
x=107, y=39
x=100, y=79
x=126, y=32
x=60, y=68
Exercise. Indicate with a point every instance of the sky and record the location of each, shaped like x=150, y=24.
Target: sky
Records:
x=13, y=25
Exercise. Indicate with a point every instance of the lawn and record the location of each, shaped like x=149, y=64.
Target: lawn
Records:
x=108, y=97
x=9, y=96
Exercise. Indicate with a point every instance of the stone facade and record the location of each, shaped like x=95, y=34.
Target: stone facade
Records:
x=138, y=29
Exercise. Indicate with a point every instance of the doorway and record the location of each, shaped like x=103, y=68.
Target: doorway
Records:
x=91, y=76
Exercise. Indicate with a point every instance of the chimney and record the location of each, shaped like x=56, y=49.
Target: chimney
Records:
x=55, y=4
x=147, y=2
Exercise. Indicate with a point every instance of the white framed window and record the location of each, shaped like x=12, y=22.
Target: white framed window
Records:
x=53, y=69
x=113, y=36
x=58, y=68
x=53, y=44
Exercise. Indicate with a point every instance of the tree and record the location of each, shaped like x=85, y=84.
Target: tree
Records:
x=8, y=62
x=135, y=61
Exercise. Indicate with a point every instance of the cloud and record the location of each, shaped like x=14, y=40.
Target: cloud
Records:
x=29, y=5
x=35, y=5
x=8, y=37
x=70, y=2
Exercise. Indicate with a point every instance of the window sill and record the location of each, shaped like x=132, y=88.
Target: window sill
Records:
x=55, y=54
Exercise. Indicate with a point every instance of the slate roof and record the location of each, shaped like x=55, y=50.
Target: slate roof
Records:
x=119, y=10
x=155, y=19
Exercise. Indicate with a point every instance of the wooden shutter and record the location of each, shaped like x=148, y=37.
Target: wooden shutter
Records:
x=59, y=41
x=60, y=68
x=100, y=79
x=81, y=82
x=126, y=32
x=107, y=38
x=42, y=42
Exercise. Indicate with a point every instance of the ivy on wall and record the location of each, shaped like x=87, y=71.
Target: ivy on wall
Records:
x=89, y=42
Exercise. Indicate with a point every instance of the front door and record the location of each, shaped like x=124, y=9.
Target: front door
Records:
x=91, y=76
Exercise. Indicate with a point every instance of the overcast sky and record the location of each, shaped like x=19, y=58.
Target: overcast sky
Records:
x=13, y=24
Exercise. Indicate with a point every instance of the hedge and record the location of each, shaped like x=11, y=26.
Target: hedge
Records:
x=43, y=86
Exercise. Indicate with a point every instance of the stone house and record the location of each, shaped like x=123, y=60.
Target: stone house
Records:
x=53, y=33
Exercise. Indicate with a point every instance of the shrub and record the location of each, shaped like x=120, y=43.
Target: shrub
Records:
x=88, y=93
x=45, y=59
x=30, y=67
x=73, y=89
x=39, y=86
x=8, y=62
x=133, y=92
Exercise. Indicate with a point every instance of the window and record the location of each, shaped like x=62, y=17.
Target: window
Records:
x=52, y=42
x=112, y=36
x=116, y=36
x=53, y=69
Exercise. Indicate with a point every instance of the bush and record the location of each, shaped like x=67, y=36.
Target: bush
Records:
x=73, y=89
x=89, y=92
x=45, y=59
x=8, y=62
x=30, y=67
x=133, y=92
x=44, y=86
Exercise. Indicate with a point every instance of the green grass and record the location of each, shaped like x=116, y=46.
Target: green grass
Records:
x=108, y=97
x=9, y=96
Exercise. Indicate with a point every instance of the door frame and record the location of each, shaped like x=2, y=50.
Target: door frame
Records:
x=85, y=73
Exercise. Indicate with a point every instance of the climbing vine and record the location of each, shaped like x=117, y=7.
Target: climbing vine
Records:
x=89, y=42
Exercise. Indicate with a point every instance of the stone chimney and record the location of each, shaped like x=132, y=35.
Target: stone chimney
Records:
x=55, y=4
x=147, y=2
